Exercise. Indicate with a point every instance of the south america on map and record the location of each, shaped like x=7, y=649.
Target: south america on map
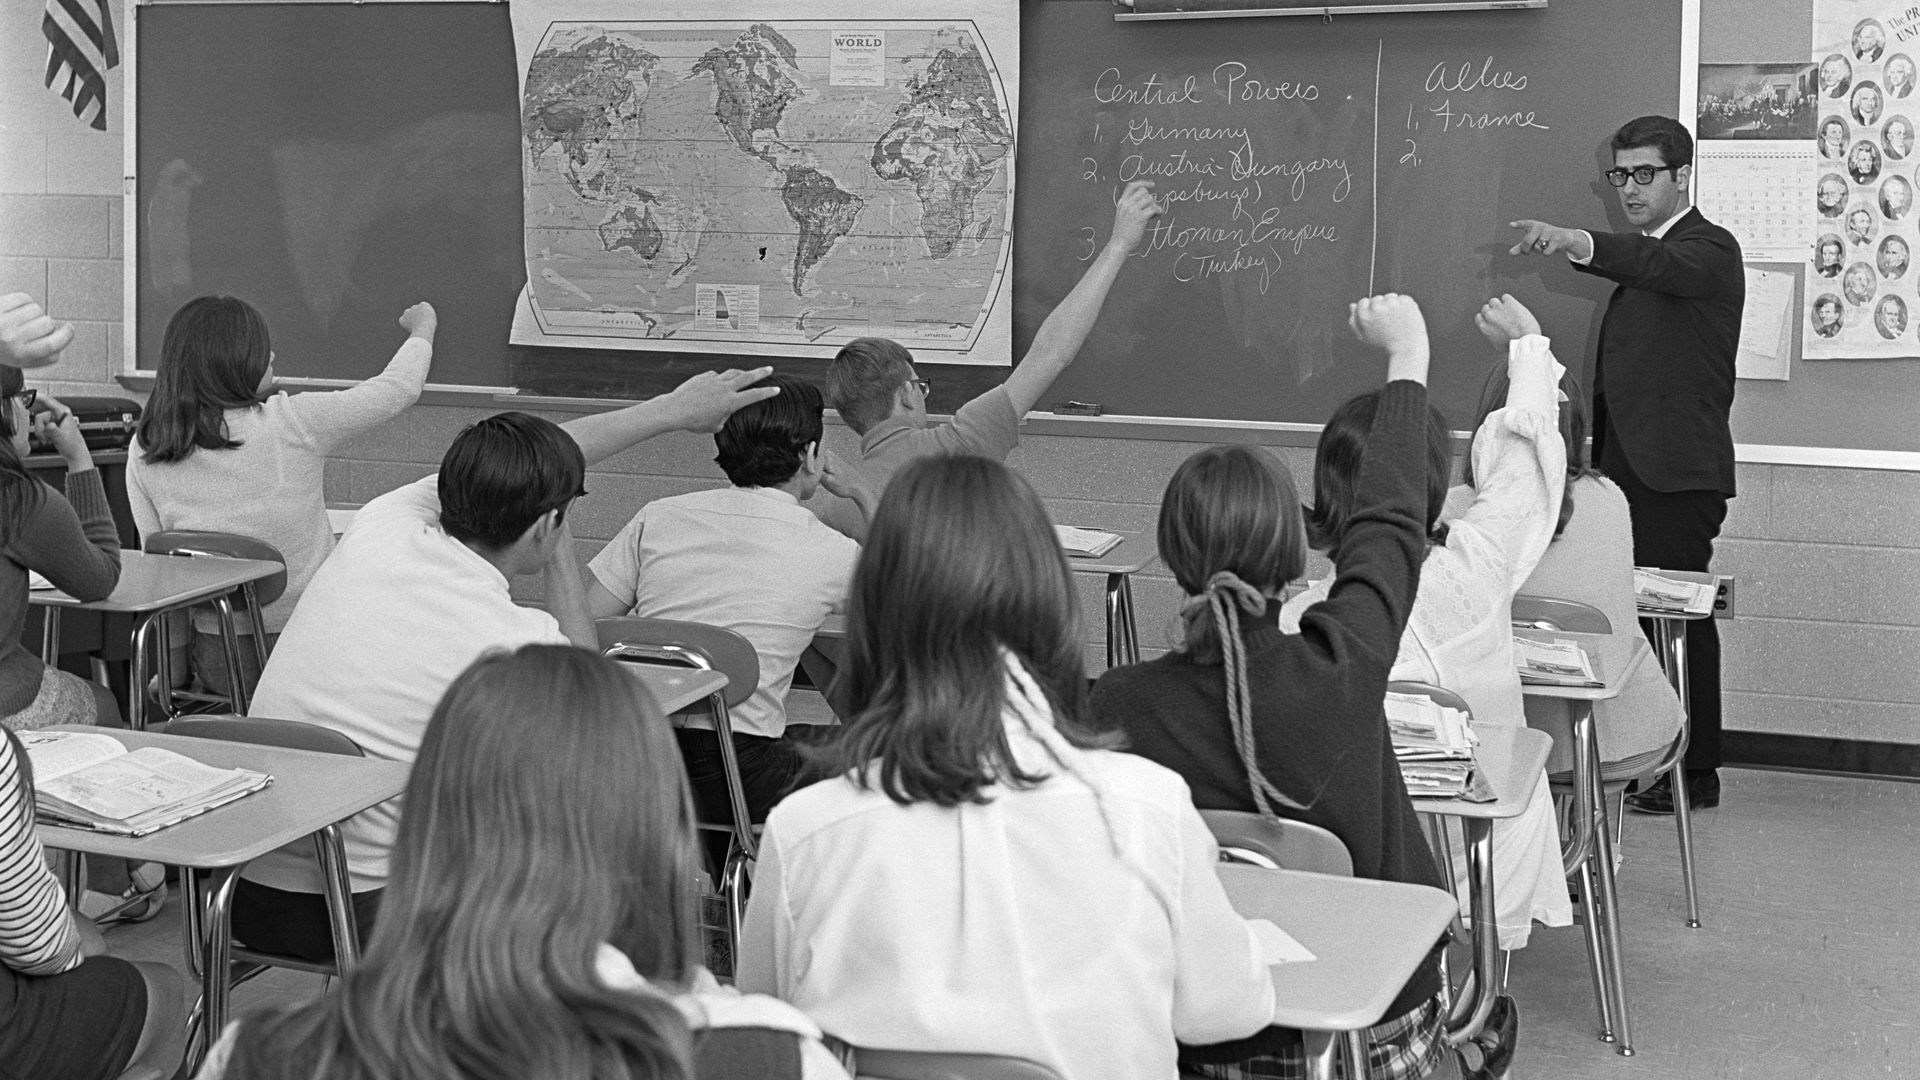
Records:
x=774, y=187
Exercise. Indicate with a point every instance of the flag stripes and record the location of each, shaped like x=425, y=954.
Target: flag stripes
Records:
x=80, y=43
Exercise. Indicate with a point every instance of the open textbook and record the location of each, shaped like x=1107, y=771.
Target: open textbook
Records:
x=1553, y=663
x=91, y=780
x=1085, y=543
x=1434, y=746
x=1654, y=591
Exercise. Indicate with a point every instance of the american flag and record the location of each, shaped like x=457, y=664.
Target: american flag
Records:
x=80, y=44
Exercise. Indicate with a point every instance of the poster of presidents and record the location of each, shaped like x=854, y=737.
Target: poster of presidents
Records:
x=771, y=179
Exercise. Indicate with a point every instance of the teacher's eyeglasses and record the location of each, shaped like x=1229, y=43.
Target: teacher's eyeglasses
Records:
x=1643, y=175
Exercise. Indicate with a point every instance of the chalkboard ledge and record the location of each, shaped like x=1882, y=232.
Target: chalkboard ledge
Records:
x=479, y=396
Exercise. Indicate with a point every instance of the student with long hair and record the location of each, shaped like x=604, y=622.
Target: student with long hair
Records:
x=1590, y=560
x=980, y=874
x=1460, y=633
x=72, y=1011
x=219, y=449
x=539, y=917
x=1294, y=725
x=69, y=539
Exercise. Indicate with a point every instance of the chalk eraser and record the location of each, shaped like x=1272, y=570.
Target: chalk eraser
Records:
x=1076, y=408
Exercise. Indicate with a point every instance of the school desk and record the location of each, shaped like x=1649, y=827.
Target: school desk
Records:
x=149, y=587
x=1615, y=658
x=1367, y=937
x=1514, y=762
x=1135, y=552
x=311, y=794
x=1670, y=645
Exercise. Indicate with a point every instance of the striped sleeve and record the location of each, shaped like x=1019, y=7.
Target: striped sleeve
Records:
x=37, y=935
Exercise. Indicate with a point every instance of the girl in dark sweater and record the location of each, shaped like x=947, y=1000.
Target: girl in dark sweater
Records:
x=1294, y=725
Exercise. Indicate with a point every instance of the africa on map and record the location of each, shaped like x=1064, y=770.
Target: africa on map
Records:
x=774, y=186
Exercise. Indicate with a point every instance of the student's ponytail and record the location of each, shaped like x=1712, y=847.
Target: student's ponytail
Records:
x=1213, y=620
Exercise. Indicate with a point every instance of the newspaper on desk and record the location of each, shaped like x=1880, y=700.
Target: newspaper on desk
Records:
x=1656, y=592
x=1434, y=747
x=1553, y=663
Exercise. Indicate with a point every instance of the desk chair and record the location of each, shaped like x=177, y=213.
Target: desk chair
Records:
x=248, y=963
x=1247, y=837
x=928, y=1065
x=253, y=595
x=631, y=639
x=1546, y=613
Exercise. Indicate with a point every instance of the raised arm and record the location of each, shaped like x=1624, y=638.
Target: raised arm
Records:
x=702, y=403
x=1519, y=456
x=1059, y=338
x=28, y=338
x=327, y=418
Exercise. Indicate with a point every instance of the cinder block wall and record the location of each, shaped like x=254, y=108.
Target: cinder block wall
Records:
x=1827, y=642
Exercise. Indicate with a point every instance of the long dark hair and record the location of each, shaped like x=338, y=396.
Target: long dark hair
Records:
x=1573, y=429
x=1336, y=471
x=547, y=814
x=20, y=493
x=215, y=353
x=961, y=562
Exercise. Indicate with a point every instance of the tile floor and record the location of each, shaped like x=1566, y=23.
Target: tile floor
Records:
x=1808, y=964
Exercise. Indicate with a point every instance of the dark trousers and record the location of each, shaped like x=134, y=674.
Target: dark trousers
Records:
x=769, y=768
x=1675, y=530
x=273, y=920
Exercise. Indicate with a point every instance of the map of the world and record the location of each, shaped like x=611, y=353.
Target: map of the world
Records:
x=768, y=186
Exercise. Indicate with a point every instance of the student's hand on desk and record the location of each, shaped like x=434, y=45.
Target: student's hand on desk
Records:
x=704, y=402
x=1131, y=212
x=420, y=320
x=1540, y=238
x=28, y=338
x=1503, y=319
x=1393, y=322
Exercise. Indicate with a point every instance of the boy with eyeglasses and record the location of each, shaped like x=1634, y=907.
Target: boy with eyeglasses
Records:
x=1663, y=387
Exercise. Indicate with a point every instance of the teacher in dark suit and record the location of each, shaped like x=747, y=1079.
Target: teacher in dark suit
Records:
x=1663, y=388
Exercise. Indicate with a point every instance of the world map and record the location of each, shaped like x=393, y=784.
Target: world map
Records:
x=708, y=182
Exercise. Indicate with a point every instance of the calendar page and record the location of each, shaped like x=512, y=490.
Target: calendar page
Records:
x=1756, y=190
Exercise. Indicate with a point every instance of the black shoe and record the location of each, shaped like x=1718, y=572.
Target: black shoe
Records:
x=1703, y=791
x=1495, y=1043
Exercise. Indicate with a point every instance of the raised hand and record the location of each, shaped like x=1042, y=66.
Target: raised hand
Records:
x=704, y=402
x=420, y=320
x=28, y=338
x=1503, y=319
x=1131, y=211
x=1393, y=322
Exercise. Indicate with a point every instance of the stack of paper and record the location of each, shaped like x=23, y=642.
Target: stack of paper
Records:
x=1085, y=543
x=89, y=780
x=1553, y=663
x=1653, y=591
x=1433, y=744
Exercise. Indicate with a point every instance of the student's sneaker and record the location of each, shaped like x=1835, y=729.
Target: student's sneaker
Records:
x=146, y=894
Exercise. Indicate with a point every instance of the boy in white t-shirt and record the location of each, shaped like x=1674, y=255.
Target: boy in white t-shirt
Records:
x=749, y=558
x=414, y=592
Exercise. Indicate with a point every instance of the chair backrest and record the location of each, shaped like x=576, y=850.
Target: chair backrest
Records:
x=927, y=1065
x=1246, y=837
x=260, y=731
x=224, y=545
x=687, y=644
x=1549, y=613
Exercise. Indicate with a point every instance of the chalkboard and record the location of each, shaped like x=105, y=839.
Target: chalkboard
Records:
x=1306, y=162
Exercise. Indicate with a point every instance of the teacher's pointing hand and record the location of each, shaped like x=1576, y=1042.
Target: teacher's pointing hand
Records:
x=1540, y=238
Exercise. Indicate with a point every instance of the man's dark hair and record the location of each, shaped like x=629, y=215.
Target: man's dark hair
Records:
x=1663, y=133
x=864, y=376
x=502, y=473
x=762, y=444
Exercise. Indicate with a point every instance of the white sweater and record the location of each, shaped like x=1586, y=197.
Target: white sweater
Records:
x=271, y=487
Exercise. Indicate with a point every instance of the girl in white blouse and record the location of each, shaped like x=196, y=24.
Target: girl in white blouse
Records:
x=980, y=875
x=1460, y=634
x=219, y=449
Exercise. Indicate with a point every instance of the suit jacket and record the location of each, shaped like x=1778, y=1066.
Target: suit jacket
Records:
x=1663, y=384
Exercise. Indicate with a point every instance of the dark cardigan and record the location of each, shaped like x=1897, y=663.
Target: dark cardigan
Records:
x=1320, y=726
